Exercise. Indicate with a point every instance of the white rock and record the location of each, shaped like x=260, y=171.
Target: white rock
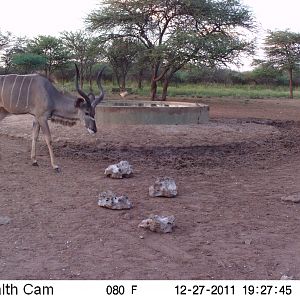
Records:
x=292, y=198
x=4, y=220
x=286, y=277
x=248, y=242
x=112, y=201
x=120, y=170
x=162, y=224
x=163, y=187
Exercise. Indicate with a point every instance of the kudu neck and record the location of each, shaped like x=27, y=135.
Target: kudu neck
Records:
x=65, y=111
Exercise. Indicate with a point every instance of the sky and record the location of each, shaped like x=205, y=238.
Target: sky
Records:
x=276, y=14
x=271, y=15
x=39, y=17
x=31, y=18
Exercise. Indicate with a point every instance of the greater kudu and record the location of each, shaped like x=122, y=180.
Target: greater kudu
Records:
x=36, y=95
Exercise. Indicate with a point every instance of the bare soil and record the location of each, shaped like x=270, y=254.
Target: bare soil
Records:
x=230, y=220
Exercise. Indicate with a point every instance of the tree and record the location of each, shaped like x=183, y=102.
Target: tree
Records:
x=52, y=49
x=4, y=39
x=211, y=51
x=84, y=49
x=175, y=32
x=28, y=62
x=17, y=45
x=122, y=54
x=283, y=52
x=95, y=52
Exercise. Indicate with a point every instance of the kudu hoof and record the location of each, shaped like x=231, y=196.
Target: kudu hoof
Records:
x=57, y=169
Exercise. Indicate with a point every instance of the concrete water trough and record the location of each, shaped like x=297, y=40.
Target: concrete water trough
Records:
x=132, y=112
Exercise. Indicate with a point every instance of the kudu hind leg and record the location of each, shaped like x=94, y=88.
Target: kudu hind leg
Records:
x=46, y=132
x=35, y=134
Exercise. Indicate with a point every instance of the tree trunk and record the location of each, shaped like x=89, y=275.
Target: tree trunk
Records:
x=291, y=82
x=91, y=84
x=89, y=68
x=140, y=79
x=123, y=83
x=62, y=77
x=118, y=79
x=153, y=91
x=165, y=88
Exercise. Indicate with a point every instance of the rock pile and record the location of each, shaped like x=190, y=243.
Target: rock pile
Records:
x=162, y=187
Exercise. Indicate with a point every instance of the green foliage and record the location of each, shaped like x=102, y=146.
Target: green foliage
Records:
x=122, y=54
x=28, y=62
x=195, y=74
x=16, y=46
x=168, y=42
x=245, y=91
x=84, y=49
x=266, y=74
x=177, y=32
x=52, y=49
x=283, y=52
x=283, y=49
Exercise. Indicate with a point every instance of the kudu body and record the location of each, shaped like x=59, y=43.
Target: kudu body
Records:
x=36, y=95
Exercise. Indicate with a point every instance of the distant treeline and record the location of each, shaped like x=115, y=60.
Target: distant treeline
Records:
x=55, y=57
x=157, y=43
x=258, y=75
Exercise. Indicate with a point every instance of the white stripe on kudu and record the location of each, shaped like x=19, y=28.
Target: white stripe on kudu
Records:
x=20, y=91
x=12, y=90
x=3, y=89
x=1, y=83
x=27, y=101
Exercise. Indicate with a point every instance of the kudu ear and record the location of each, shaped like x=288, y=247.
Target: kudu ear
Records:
x=79, y=102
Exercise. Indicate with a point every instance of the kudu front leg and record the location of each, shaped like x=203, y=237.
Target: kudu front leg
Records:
x=46, y=132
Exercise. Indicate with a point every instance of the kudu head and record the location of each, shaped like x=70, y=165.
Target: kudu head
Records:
x=87, y=104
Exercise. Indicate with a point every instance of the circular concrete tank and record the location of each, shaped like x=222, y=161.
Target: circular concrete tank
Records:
x=132, y=112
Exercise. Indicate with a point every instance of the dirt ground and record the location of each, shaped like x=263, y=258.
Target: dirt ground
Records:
x=230, y=220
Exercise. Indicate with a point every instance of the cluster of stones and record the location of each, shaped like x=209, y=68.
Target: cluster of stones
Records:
x=162, y=187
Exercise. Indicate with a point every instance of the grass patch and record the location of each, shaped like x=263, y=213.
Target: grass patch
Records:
x=219, y=90
x=202, y=90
